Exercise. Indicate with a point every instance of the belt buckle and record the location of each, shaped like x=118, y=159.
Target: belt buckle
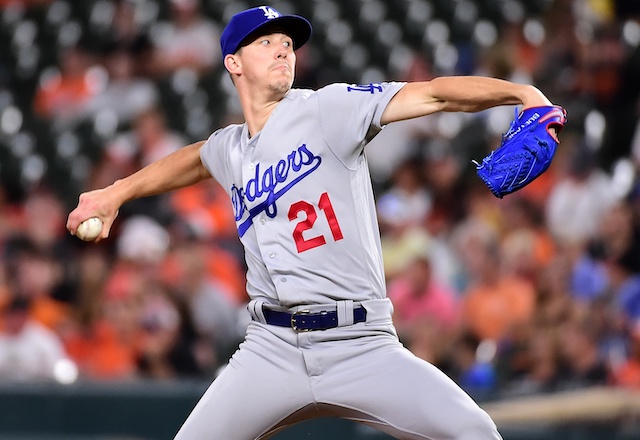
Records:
x=293, y=320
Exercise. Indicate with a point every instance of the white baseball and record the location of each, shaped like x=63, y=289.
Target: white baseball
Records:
x=89, y=229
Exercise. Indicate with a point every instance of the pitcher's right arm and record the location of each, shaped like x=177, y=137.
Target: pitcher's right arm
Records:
x=177, y=170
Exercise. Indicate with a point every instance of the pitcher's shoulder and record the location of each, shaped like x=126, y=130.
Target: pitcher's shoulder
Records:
x=231, y=132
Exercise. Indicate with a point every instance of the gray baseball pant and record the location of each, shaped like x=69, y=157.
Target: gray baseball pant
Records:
x=359, y=372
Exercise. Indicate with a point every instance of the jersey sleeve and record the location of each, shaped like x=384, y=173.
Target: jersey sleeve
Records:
x=212, y=157
x=350, y=114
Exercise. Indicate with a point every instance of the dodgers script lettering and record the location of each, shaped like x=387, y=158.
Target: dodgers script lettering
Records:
x=269, y=184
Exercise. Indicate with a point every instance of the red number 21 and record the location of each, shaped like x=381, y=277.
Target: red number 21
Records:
x=309, y=210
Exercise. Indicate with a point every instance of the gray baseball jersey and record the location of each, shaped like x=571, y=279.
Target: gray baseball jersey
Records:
x=305, y=214
x=302, y=195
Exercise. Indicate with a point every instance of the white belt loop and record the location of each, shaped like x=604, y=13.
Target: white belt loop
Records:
x=255, y=310
x=345, y=312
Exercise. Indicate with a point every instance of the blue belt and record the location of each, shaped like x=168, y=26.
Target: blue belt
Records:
x=305, y=321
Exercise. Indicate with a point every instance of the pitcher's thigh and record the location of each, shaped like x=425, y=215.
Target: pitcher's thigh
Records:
x=408, y=398
x=263, y=384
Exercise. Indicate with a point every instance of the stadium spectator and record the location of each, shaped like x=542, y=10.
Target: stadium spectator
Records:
x=628, y=373
x=205, y=208
x=214, y=307
x=578, y=201
x=425, y=309
x=554, y=300
x=449, y=189
x=149, y=139
x=11, y=217
x=99, y=352
x=494, y=301
x=580, y=362
x=91, y=338
x=402, y=209
x=127, y=31
x=29, y=351
x=125, y=94
x=169, y=346
x=530, y=367
x=63, y=92
x=50, y=236
x=407, y=202
x=625, y=286
x=37, y=276
x=526, y=245
x=187, y=41
x=108, y=342
x=471, y=368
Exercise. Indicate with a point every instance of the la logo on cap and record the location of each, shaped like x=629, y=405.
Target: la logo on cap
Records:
x=269, y=12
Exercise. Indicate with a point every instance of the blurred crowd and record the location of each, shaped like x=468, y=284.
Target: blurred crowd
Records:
x=536, y=292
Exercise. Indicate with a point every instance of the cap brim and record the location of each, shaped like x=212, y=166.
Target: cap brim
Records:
x=298, y=28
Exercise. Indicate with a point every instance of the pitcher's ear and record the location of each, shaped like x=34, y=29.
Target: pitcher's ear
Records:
x=232, y=64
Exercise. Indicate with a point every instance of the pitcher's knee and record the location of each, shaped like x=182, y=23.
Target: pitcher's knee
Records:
x=479, y=427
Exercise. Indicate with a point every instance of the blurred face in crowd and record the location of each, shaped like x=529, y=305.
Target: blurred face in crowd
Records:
x=150, y=127
x=73, y=62
x=15, y=320
x=36, y=274
x=184, y=11
x=41, y=205
x=120, y=65
x=419, y=275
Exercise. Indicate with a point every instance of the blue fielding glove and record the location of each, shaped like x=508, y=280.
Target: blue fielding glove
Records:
x=525, y=152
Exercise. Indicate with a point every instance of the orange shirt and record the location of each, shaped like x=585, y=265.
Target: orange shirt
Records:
x=207, y=205
x=49, y=312
x=490, y=311
x=99, y=354
x=222, y=267
x=62, y=94
x=629, y=375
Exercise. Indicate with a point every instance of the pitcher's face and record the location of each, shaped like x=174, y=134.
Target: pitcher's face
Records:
x=269, y=59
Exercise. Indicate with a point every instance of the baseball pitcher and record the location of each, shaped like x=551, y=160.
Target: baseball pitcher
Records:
x=321, y=342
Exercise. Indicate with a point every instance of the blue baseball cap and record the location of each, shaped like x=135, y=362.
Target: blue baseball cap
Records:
x=247, y=22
